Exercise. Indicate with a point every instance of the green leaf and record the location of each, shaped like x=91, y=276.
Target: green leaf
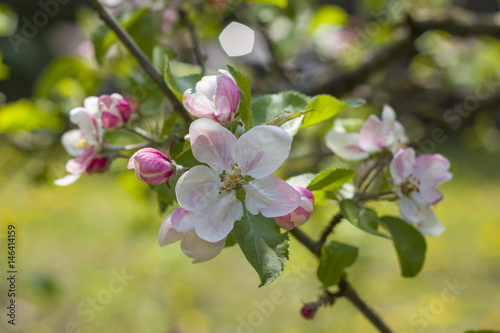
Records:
x=179, y=85
x=103, y=37
x=325, y=107
x=361, y=217
x=354, y=102
x=330, y=179
x=229, y=241
x=28, y=115
x=166, y=195
x=263, y=245
x=277, y=3
x=409, y=243
x=276, y=109
x=335, y=257
x=244, y=84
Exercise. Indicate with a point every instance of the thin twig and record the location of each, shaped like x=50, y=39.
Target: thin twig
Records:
x=328, y=230
x=200, y=58
x=347, y=290
x=142, y=59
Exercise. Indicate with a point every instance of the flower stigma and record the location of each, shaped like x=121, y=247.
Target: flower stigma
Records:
x=232, y=181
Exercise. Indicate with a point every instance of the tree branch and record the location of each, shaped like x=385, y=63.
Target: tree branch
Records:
x=142, y=59
x=346, y=289
x=200, y=58
x=328, y=230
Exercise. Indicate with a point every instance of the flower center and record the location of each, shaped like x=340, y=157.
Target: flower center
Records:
x=82, y=144
x=232, y=181
x=409, y=187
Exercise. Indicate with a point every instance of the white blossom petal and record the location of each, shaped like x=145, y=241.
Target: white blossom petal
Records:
x=212, y=144
x=67, y=180
x=198, y=187
x=374, y=135
x=410, y=210
x=216, y=221
x=430, y=225
x=271, y=196
x=198, y=249
x=345, y=145
x=87, y=122
x=71, y=142
x=388, y=114
x=168, y=234
x=262, y=150
x=183, y=220
x=402, y=165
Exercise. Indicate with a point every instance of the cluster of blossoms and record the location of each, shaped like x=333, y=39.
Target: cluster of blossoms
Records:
x=106, y=112
x=414, y=178
x=234, y=177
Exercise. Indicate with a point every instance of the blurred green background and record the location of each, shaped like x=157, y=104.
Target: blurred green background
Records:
x=74, y=241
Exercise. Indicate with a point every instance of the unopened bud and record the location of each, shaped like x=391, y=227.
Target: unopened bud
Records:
x=308, y=310
x=301, y=214
x=115, y=110
x=151, y=166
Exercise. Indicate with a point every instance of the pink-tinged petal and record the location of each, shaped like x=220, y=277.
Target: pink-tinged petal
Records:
x=426, y=195
x=285, y=222
x=199, y=105
x=74, y=142
x=430, y=225
x=80, y=163
x=409, y=210
x=227, y=98
x=151, y=166
x=111, y=121
x=432, y=169
x=198, y=249
x=216, y=221
x=183, y=220
x=99, y=164
x=262, y=150
x=388, y=114
x=67, y=180
x=212, y=144
x=123, y=107
x=345, y=145
x=271, y=196
x=207, y=86
x=105, y=101
x=87, y=122
x=374, y=135
x=301, y=214
x=198, y=188
x=402, y=165
x=168, y=234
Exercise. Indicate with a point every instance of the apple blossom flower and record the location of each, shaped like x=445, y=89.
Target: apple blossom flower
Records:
x=376, y=135
x=192, y=245
x=238, y=169
x=84, y=143
x=216, y=98
x=115, y=111
x=301, y=214
x=151, y=166
x=416, y=179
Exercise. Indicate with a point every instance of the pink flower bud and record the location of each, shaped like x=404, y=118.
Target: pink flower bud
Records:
x=301, y=214
x=151, y=166
x=308, y=310
x=216, y=98
x=98, y=165
x=115, y=110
